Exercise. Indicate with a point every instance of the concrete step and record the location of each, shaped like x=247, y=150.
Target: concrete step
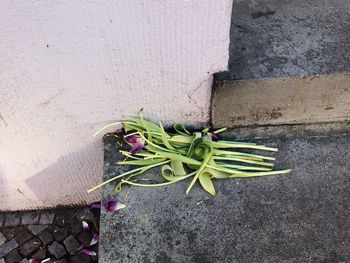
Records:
x=300, y=217
x=276, y=101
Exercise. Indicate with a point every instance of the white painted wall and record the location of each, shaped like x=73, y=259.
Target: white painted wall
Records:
x=70, y=67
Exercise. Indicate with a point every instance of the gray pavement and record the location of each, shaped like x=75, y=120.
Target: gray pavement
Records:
x=301, y=217
x=274, y=38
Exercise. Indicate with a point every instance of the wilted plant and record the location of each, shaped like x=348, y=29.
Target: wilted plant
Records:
x=182, y=155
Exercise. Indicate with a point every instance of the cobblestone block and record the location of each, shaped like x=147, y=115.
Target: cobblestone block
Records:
x=2, y=260
x=30, y=247
x=63, y=260
x=46, y=237
x=57, y=250
x=80, y=258
x=30, y=218
x=40, y=254
x=85, y=238
x=46, y=218
x=8, y=247
x=23, y=261
x=2, y=216
x=71, y=244
x=13, y=256
x=36, y=229
x=60, y=234
x=2, y=238
x=23, y=236
x=12, y=219
x=11, y=232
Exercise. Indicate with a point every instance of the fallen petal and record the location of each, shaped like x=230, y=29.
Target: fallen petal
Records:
x=86, y=227
x=96, y=205
x=33, y=260
x=137, y=147
x=113, y=205
x=45, y=260
x=214, y=136
x=94, y=239
x=88, y=252
x=132, y=138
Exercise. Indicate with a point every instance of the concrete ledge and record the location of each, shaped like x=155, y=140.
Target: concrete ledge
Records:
x=292, y=100
x=302, y=217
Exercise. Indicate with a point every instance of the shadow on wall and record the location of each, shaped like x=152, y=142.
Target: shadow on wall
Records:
x=3, y=186
x=73, y=175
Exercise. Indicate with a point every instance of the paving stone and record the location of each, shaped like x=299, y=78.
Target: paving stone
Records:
x=80, y=258
x=60, y=220
x=63, y=260
x=8, y=247
x=2, y=216
x=46, y=218
x=85, y=238
x=2, y=238
x=71, y=244
x=13, y=256
x=76, y=228
x=12, y=219
x=28, y=248
x=46, y=237
x=40, y=254
x=24, y=236
x=57, y=250
x=11, y=232
x=30, y=218
x=2, y=260
x=23, y=261
x=36, y=229
x=60, y=234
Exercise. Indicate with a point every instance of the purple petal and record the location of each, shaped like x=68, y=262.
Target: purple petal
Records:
x=137, y=147
x=86, y=227
x=132, y=138
x=113, y=205
x=96, y=205
x=33, y=260
x=94, y=239
x=88, y=252
x=214, y=136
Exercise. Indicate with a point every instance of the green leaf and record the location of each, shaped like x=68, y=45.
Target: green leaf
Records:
x=206, y=182
x=143, y=162
x=178, y=168
x=181, y=129
x=179, y=157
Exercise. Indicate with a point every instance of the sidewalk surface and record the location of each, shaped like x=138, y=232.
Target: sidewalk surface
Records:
x=301, y=217
x=55, y=234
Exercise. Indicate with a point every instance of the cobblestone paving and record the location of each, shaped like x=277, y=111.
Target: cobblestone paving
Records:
x=55, y=235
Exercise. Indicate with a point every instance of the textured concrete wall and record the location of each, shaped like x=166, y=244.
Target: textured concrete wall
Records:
x=274, y=38
x=69, y=67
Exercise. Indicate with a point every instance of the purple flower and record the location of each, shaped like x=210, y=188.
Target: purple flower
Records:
x=96, y=205
x=137, y=141
x=88, y=252
x=86, y=227
x=33, y=260
x=213, y=136
x=113, y=205
x=94, y=239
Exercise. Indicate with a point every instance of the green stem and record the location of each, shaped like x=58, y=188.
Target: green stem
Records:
x=126, y=173
x=161, y=184
x=201, y=168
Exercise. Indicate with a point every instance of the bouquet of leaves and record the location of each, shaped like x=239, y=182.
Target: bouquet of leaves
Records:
x=180, y=155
